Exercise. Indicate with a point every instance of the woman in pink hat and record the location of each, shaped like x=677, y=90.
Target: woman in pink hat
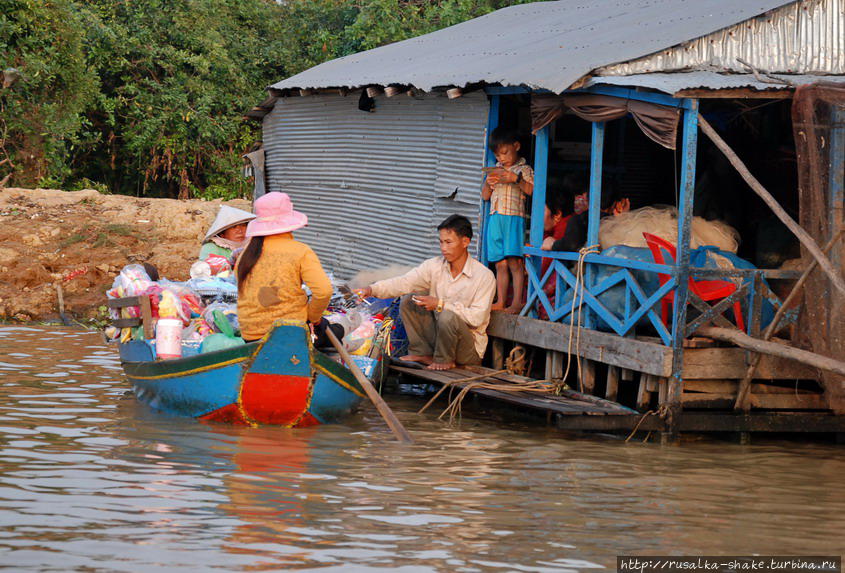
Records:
x=272, y=269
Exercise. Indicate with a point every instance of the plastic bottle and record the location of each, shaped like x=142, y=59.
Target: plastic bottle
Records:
x=169, y=338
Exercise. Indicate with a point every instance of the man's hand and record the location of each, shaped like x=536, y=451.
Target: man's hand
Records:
x=364, y=292
x=427, y=302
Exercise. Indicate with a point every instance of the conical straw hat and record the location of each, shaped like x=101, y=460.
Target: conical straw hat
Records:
x=227, y=217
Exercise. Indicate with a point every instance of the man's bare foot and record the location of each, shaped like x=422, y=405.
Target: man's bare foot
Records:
x=497, y=306
x=513, y=309
x=417, y=358
x=440, y=366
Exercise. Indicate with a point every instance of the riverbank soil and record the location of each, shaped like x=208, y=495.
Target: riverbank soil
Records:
x=79, y=240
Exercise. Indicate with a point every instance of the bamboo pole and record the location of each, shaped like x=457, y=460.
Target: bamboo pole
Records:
x=750, y=343
x=803, y=236
x=392, y=421
x=745, y=385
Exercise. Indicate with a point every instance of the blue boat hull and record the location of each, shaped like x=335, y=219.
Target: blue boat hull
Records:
x=279, y=380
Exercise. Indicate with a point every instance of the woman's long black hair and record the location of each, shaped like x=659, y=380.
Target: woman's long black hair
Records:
x=248, y=258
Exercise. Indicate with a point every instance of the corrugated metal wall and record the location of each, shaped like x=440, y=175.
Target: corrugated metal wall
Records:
x=376, y=185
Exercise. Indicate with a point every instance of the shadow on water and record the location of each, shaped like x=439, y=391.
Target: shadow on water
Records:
x=90, y=479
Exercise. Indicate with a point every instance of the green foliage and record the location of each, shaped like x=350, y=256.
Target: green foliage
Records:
x=176, y=77
x=43, y=112
x=146, y=96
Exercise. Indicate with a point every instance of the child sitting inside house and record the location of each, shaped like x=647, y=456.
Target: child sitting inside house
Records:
x=506, y=188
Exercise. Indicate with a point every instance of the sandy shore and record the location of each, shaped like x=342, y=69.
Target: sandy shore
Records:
x=79, y=241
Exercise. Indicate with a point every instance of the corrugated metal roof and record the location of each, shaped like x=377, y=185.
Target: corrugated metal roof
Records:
x=807, y=37
x=543, y=45
x=675, y=82
x=376, y=185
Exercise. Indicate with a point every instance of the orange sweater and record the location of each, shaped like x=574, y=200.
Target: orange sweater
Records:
x=273, y=288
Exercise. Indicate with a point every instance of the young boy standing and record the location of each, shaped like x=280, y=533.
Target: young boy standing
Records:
x=506, y=188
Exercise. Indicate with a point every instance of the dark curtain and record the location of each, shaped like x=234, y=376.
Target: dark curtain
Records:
x=658, y=122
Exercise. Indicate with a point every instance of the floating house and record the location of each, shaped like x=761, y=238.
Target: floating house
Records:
x=613, y=98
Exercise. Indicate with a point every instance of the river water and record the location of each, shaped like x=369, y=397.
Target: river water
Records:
x=92, y=480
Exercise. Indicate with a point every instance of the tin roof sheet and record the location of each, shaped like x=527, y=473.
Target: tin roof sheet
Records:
x=672, y=83
x=542, y=45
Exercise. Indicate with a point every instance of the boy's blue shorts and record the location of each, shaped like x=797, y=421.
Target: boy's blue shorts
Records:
x=504, y=236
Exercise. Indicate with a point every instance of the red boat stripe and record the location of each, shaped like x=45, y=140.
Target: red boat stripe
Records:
x=275, y=398
x=230, y=414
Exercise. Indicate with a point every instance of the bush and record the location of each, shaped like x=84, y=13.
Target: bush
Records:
x=146, y=97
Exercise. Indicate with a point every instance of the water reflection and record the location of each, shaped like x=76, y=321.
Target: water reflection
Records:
x=91, y=479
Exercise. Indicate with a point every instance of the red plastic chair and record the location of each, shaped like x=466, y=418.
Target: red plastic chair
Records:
x=706, y=290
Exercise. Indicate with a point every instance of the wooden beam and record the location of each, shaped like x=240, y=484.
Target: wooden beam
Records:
x=762, y=401
x=735, y=93
x=773, y=348
x=730, y=387
x=628, y=353
x=728, y=363
x=761, y=422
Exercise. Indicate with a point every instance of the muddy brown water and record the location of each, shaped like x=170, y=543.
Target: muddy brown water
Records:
x=92, y=480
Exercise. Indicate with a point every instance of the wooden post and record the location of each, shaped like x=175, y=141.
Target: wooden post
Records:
x=594, y=214
x=662, y=390
x=554, y=365
x=836, y=183
x=146, y=316
x=803, y=236
x=489, y=161
x=498, y=350
x=538, y=198
x=588, y=376
x=612, y=390
x=688, y=152
x=643, y=395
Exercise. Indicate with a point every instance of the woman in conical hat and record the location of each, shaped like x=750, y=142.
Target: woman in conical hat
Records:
x=227, y=232
x=272, y=269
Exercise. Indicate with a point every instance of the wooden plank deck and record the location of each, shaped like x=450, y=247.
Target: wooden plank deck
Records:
x=641, y=354
x=576, y=411
x=568, y=403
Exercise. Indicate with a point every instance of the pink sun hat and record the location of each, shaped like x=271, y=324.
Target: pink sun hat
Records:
x=274, y=215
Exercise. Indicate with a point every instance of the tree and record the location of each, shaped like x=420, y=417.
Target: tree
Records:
x=43, y=112
x=147, y=96
x=176, y=77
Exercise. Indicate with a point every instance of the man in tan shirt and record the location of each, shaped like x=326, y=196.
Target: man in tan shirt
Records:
x=447, y=317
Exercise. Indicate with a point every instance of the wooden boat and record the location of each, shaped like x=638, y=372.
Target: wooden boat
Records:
x=281, y=379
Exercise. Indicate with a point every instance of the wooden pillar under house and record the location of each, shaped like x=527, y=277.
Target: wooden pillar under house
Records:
x=594, y=213
x=674, y=389
x=538, y=198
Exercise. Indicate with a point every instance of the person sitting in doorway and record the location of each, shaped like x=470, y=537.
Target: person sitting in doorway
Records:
x=446, y=318
x=227, y=233
x=556, y=215
x=506, y=187
x=575, y=236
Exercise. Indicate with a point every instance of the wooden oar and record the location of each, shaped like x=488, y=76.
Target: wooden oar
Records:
x=392, y=421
